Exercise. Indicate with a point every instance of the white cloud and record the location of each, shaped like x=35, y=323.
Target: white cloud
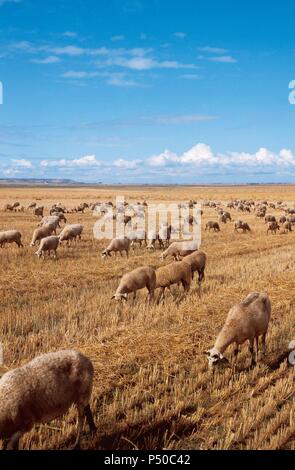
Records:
x=22, y=163
x=79, y=74
x=70, y=34
x=227, y=59
x=190, y=76
x=202, y=156
x=163, y=159
x=66, y=50
x=118, y=37
x=199, y=154
x=141, y=62
x=52, y=59
x=180, y=35
x=83, y=162
x=126, y=164
x=2, y=2
x=120, y=80
x=212, y=50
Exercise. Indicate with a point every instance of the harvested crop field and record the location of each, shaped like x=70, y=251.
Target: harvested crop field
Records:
x=153, y=388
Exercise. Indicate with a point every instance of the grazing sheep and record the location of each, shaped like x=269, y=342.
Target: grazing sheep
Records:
x=39, y=211
x=164, y=235
x=245, y=321
x=41, y=232
x=179, y=249
x=239, y=224
x=287, y=226
x=10, y=236
x=222, y=219
x=71, y=232
x=8, y=208
x=152, y=238
x=48, y=244
x=269, y=218
x=282, y=219
x=173, y=273
x=43, y=390
x=137, y=236
x=197, y=262
x=52, y=220
x=32, y=205
x=212, y=226
x=134, y=280
x=117, y=245
x=273, y=227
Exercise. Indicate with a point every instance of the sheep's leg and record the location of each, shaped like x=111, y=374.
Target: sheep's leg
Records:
x=81, y=421
x=263, y=344
x=252, y=351
x=161, y=294
x=236, y=352
x=13, y=443
x=89, y=418
x=134, y=297
x=257, y=345
x=127, y=253
x=151, y=295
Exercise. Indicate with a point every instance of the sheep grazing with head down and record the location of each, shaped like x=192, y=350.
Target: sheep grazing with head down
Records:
x=135, y=280
x=71, y=232
x=197, y=263
x=10, y=236
x=48, y=244
x=173, y=273
x=42, y=232
x=117, y=245
x=180, y=249
x=212, y=226
x=43, y=390
x=245, y=321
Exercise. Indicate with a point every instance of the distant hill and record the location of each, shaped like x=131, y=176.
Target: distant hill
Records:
x=38, y=182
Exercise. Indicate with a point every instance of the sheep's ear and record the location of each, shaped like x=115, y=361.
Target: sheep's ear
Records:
x=207, y=353
x=124, y=297
x=112, y=297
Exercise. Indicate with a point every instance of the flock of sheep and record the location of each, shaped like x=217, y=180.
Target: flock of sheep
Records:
x=46, y=387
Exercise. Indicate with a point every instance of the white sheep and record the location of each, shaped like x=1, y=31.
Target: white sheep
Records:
x=131, y=282
x=48, y=244
x=179, y=249
x=10, y=236
x=245, y=321
x=70, y=232
x=42, y=232
x=197, y=262
x=43, y=390
x=117, y=245
x=137, y=236
x=173, y=273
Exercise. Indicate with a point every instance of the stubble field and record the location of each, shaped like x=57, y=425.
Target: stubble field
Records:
x=152, y=387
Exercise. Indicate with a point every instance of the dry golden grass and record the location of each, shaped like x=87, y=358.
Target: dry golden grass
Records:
x=152, y=385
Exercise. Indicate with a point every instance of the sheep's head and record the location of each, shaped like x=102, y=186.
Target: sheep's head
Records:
x=119, y=297
x=105, y=253
x=215, y=357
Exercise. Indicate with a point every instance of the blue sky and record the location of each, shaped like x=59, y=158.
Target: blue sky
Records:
x=147, y=91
